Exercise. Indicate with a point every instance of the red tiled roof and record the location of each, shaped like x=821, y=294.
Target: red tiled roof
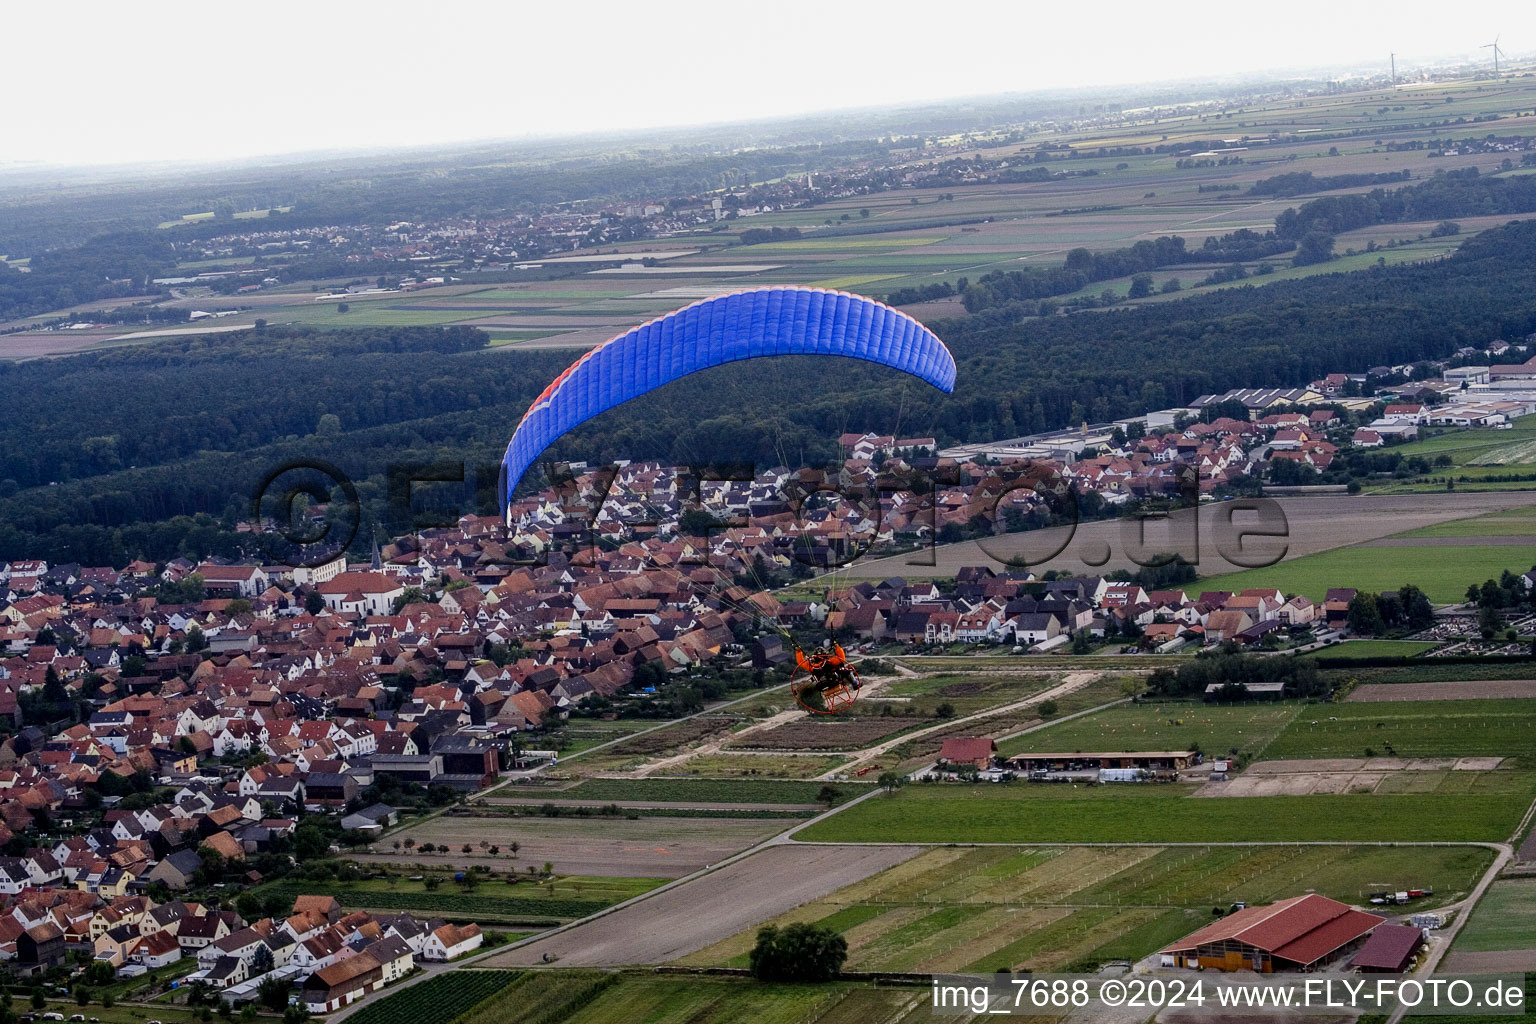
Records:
x=1301, y=929
x=1321, y=941
x=967, y=749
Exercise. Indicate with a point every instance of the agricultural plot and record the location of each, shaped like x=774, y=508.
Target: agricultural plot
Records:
x=1472, y=447
x=1518, y=453
x=771, y=765
x=584, y=733
x=1423, y=562
x=1450, y=728
x=725, y=791
x=975, y=688
x=1469, y=689
x=645, y=847
x=594, y=998
x=1324, y=523
x=1515, y=522
x=705, y=910
x=827, y=732
x=1025, y=813
x=923, y=749
x=1429, y=671
x=1172, y=725
x=495, y=900
x=538, y=996
x=438, y=1000
x=953, y=909
x=1361, y=649
x=656, y=743
x=1505, y=918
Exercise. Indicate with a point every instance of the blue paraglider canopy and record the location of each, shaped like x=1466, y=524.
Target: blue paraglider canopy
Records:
x=742, y=325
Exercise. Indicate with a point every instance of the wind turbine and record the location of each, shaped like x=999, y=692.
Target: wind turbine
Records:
x=1497, y=53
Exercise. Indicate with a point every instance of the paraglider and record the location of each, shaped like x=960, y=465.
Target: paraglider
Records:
x=824, y=681
x=751, y=324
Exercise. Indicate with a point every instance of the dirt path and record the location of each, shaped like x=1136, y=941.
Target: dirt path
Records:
x=872, y=686
x=1443, y=939
x=712, y=746
x=1074, y=681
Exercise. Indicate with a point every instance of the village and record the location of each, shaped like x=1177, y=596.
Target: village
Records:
x=170, y=727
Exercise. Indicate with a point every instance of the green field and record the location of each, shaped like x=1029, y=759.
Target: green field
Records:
x=976, y=909
x=119, y=1013
x=1360, y=649
x=1505, y=918
x=1467, y=447
x=1024, y=813
x=966, y=692
x=1513, y=522
x=1481, y=728
x=1162, y=725
x=1430, y=670
x=437, y=1000
x=1442, y=573
x=367, y=314
x=590, y=997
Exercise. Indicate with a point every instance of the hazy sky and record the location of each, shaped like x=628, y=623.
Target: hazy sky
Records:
x=115, y=82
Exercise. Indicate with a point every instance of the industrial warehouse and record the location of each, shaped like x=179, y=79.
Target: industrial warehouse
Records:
x=1303, y=933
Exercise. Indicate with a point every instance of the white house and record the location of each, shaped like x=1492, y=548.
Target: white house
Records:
x=362, y=593
x=450, y=941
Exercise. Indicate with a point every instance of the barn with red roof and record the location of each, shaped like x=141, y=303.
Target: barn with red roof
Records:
x=1298, y=934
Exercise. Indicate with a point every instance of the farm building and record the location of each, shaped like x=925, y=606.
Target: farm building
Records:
x=1298, y=934
x=1389, y=950
x=975, y=751
x=1148, y=760
x=1254, y=691
x=339, y=984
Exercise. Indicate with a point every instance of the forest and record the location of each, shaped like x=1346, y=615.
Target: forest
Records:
x=99, y=452
x=1301, y=183
x=1462, y=193
x=1084, y=266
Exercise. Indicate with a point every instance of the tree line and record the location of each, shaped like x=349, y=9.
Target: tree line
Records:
x=167, y=465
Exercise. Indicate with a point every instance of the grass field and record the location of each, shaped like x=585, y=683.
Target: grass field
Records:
x=1483, y=728
x=957, y=909
x=1505, y=918
x=1469, y=447
x=1024, y=813
x=1171, y=725
x=1511, y=523
x=1442, y=573
x=1374, y=649
x=119, y=1013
